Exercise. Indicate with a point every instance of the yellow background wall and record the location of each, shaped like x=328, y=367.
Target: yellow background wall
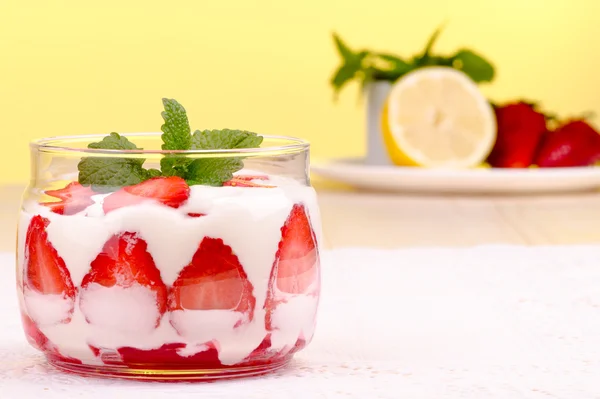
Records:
x=79, y=66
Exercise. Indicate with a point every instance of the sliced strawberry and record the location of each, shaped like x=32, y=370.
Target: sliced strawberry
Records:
x=171, y=191
x=125, y=262
x=35, y=337
x=264, y=353
x=244, y=182
x=168, y=354
x=45, y=271
x=73, y=199
x=298, y=346
x=196, y=215
x=38, y=340
x=70, y=191
x=575, y=143
x=297, y=260
x=296, y=266
x=214, y=279
x=251, y=177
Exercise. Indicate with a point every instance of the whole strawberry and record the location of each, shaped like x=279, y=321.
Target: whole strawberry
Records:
x=520, y=129
x=575, y=143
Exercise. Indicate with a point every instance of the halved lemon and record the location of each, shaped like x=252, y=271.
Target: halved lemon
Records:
x=437, y=117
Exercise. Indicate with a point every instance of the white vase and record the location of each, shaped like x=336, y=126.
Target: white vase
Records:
x=376, y=94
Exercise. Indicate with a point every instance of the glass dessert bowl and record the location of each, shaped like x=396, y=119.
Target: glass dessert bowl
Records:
x=168, y=277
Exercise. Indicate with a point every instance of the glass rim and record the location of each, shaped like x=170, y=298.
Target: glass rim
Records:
x=60, y=144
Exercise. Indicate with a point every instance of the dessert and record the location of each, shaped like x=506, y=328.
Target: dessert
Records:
x=165, y=274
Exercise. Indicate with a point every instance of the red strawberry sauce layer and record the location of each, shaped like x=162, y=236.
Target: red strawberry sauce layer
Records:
x=220, y=309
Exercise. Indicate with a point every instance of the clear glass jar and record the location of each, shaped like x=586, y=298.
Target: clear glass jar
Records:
x=162, y=280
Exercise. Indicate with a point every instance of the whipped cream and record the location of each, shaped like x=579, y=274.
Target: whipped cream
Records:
x=248, y=219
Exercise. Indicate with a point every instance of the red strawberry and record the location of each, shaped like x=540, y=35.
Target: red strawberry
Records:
x=297, y=260
x=296, y=265
x=170, y=191
x=251, y=177
x=214, y=279
x=196, y=215
x=38, y=340
x=35, y=337
x=45, y=271
x=73, y=199
x=262, y=354
x=238, y=181
x=520, y=129
x=125, y=262
x=265, y=354
x=262, y=351
x=168, y=355
x=298, y=346
x=575, y=143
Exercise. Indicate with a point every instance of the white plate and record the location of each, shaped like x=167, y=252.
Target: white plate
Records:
x=354, y=172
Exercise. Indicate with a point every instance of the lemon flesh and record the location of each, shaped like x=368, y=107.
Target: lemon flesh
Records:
x=437, y=117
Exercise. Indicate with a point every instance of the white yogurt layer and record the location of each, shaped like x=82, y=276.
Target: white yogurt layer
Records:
x=136, y=305
x=46, y=310
x=248, y=219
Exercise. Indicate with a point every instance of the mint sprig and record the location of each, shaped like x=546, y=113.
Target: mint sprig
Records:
x=176, y=129
x=225, y=138
x=215, y=171
x=367, y=66
x=106, y=173
x=176, y=136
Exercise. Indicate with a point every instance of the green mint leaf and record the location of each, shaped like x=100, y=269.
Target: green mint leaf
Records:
x=176, y=136
x=225, y=139
x=114, y=141
x=352, y=64
x=395, y=62
x=108, y=174
x=424, y=58
x=386, y=75
x=343, y=75
x=342, y=48
x=474, y=65
x=348, y=70
x=176, y=129
x=394, y=69
x=105, y=174
x=432, y=39
x=433, y=60
x=216, y=171
x=174, y=165
x=153, y=173
x=212, y=171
